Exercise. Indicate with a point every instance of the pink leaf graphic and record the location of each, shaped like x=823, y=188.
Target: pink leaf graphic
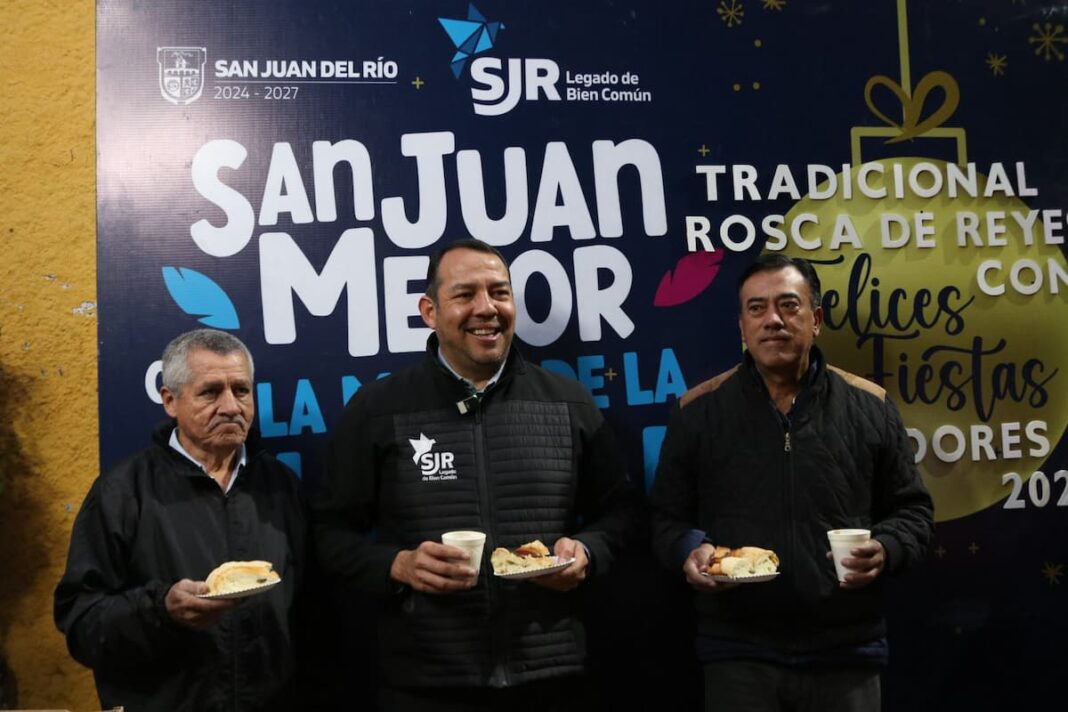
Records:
x=691, y=276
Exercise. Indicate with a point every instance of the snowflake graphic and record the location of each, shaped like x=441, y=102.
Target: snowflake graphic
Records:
x=1047, y=37
x=997, y=63
x=1053, y=573
x=774, y=4
x=731, y=12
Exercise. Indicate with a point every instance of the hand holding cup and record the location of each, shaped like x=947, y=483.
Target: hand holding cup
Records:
x=441, y=568
x=471, y=542
x=858, y=559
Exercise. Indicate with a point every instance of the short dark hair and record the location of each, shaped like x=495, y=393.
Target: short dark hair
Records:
x=775, y=261
x=467, y=243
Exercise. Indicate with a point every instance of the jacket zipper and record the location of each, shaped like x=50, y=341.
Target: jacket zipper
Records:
x=788, y=486
x=498, y=643
x=234, y=626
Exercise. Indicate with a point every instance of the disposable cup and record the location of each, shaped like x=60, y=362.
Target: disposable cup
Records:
x=842, y=541
x=469, y=541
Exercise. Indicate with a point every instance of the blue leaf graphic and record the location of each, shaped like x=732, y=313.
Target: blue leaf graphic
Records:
x=198, y=295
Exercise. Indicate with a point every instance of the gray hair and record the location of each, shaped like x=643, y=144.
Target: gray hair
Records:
x=176, y=371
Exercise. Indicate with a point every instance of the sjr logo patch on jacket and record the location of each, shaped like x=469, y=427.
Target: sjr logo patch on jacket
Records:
x=435, y=466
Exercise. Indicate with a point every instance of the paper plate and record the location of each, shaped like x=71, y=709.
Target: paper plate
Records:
x=558, y=565
x=243, y=593
x=759, y=578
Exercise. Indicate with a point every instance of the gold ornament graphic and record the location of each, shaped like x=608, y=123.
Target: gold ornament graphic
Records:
x=943, y=285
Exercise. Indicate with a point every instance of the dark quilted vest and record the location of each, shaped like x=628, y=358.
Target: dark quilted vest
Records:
x=510, y=474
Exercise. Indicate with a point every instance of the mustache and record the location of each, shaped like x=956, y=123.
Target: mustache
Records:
x=228, y=420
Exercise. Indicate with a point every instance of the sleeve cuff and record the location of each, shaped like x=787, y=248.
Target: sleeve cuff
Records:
x=892, y=550
x=688, y=542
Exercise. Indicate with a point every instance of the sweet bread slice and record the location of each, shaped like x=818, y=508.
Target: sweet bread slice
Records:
x=743, y=561
x=528, y=557
x=234, y=576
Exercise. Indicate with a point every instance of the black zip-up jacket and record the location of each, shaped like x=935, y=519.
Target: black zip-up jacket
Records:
x=734, y=467
x=532, y=459
x=154, y=519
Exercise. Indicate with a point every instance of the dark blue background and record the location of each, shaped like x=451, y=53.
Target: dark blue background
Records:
x=964, y=633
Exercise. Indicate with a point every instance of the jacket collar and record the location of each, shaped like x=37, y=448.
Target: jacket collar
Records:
x=161, y=436
x=814, y=379
x=513, y=364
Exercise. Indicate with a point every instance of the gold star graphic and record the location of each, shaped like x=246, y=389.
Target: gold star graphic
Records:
x=1047, y=37
x=1053, y=573
x=997, y=63
x=731, y=12
x=774, y=4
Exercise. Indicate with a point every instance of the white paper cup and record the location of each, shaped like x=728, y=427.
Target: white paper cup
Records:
x=842, y=541
x=471, y=542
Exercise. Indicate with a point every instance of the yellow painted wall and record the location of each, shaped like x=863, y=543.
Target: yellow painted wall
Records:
x=48, y=374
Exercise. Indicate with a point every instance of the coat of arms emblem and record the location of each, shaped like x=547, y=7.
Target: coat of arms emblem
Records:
x=181, y=73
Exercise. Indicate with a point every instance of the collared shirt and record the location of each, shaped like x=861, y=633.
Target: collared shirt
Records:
x=239, y=461
x=490, y=382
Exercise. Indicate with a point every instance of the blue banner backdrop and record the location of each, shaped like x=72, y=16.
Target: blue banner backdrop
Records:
x=283, y=170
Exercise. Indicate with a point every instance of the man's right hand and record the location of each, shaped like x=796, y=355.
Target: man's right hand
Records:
x=185, y=608
x=695, y=566
x=434, y=568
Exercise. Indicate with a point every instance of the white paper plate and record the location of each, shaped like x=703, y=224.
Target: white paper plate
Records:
x=759, y=578
x=243, y=593
x=558, y=565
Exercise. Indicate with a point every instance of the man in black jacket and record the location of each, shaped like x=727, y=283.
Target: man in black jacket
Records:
x=473, y=438
x=774, y=453
x=152, y=528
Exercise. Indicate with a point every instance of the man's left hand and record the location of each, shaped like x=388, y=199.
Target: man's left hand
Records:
x=865, y=562
x=574, y=574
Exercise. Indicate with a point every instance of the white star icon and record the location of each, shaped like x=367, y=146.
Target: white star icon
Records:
x=421, y=446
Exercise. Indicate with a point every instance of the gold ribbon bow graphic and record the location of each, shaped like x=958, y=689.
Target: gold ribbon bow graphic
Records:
x=912, y=107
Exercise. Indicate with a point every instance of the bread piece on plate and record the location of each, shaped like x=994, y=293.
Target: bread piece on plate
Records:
x=528, y=557
x=755, y=552
x=743, y=561
x=736, y=567
x=715, y=566
x=533, y=548
x=234, y=576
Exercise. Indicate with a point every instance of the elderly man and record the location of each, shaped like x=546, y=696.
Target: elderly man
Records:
x=153, y=527
x=524, y=454
x=774, y=453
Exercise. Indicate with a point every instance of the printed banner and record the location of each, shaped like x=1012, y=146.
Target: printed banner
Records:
x=284, y=170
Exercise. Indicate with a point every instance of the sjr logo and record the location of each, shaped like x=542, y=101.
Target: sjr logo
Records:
x=494, y=95
x=433, y=465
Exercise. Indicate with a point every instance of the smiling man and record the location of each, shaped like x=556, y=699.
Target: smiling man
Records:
x=774, y=453
x=152, y=528
x=473, y=438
